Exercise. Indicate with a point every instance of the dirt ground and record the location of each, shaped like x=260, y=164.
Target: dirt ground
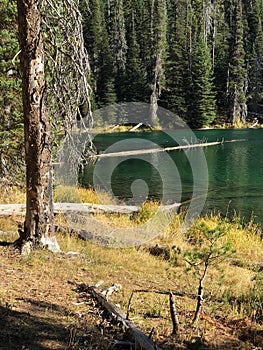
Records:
x=40, y=310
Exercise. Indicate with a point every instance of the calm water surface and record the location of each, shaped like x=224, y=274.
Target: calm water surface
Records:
x=235, y=170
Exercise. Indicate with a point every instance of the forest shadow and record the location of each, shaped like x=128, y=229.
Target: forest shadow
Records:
x=6, y=244
x=36, y=325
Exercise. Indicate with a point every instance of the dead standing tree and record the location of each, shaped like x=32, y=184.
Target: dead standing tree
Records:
x=34, y=17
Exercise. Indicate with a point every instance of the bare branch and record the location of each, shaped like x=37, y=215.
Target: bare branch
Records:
x=173, y=311
x=68, y=64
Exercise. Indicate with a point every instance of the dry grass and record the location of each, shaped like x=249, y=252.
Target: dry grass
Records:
x=28, y=284
x=137, y=265
x=10, y=224
x=77, y=194
x=9, y=195
x=233, y=288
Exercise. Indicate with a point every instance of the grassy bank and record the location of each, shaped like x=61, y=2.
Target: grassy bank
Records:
x=37, y=299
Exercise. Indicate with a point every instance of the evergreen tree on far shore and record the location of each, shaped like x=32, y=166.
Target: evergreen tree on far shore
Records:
x=101, y=60
x=254, y=54
x=135, y=75
x=158, y=28
x=237, y=74
x=118, y=44
x=177, y=68
x=202, y=110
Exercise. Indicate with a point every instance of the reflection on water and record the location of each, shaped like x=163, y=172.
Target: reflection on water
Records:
x=235, y=171
x=236, y=174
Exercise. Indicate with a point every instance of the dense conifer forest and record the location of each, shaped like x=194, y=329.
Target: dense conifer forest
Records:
x=202, y=60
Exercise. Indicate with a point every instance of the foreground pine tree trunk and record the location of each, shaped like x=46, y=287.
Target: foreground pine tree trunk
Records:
x=38, y=225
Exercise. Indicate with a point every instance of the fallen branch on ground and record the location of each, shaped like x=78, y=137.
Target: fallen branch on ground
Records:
x=82, y=208
x=141, y=340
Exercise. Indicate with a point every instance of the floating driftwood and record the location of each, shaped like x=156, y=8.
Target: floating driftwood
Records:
x=142, y=341
x=82, y=208
x=136, y=127
x=159, y=149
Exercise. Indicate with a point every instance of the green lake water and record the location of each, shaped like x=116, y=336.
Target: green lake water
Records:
x=234, y=169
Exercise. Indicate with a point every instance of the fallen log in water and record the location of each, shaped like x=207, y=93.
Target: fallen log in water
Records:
x=81, y=208
x=159, y=149
x=142, y=341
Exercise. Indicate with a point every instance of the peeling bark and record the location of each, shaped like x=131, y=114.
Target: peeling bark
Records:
x=174, y=314
x=158, y=38
x=38, y=225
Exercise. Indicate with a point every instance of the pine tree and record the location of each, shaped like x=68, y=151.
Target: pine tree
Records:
x=203, y=110
x=118, y=44
x=143, y=25
x=135, y=77
x=158, y=27
x=97, y=43
x=177, y=67
x=259, y=59
x=61, y=25
x=11, y=125
x=221, y=61
x=254, y=53
x=237, y=74
x=38, y=224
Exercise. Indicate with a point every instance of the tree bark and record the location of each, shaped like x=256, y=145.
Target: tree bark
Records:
x=158, y=32
x=174, y=315
x=200, y=295
x=38, y=225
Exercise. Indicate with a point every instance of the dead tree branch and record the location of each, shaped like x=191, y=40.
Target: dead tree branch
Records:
x=173, y=311
x=141, y=340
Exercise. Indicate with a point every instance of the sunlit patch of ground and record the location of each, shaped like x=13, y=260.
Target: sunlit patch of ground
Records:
x=39, y=309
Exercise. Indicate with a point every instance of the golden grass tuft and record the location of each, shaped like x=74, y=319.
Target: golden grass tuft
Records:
x=248, y=245
x=10, y=224
x=78, y=194
x=12, y=195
